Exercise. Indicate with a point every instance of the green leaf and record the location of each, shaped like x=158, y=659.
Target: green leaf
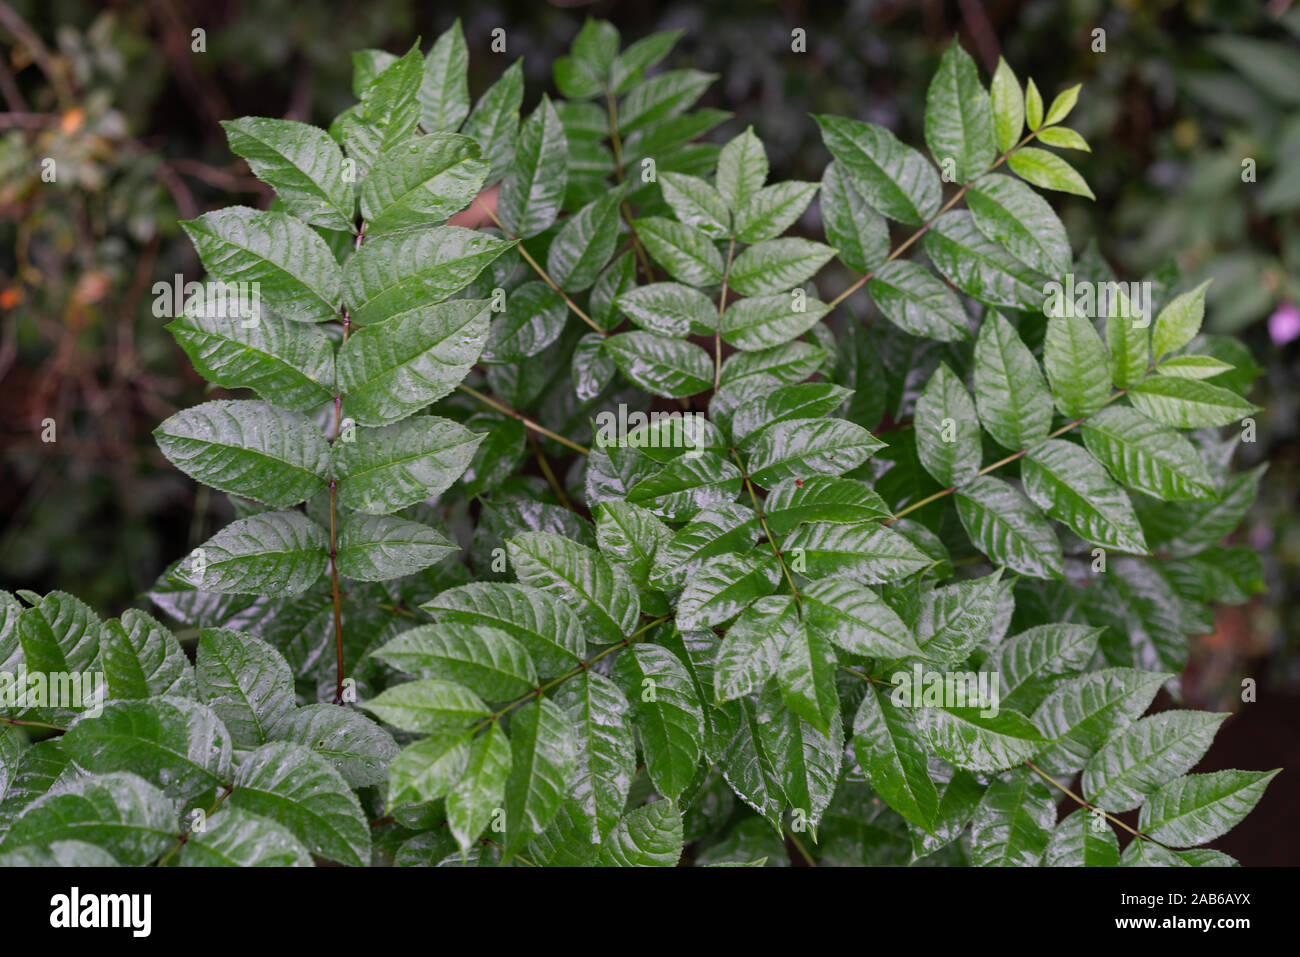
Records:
x=856, y=619
x=303, y=164
x=890, y=749
x=494, y=121
x=1009, y=212
x=543, y=623
x=542, y=762
x=473, y=800
x=487, y=661
x=1032, y=661
x=296, y=274
x=120, y=813
x=778, y=265
x=1200, y=807
x=1012, y=826
x=388, y=113
x=1081, y=839
x=1008, y=107
x=1147, y=456
x=980, y=267
x=1064, y=138
x=723, y=586
x=959, y=116
x=892, y=177
x=804, y=400
x=947, y=429
x=356, y=747
x=665, y=711
x=1179, y=321
x=722, y=528
x=289, y=363
x=592, y=370
x=915, y=300
x=1062, y=104
x=273, y=553
x=1189, y=403
x=870, y=552
x=630, y=536
x=1076, y=364
x=629, y=65
x=236, y=838
x=429, y=768
x=142, y=659
x=298, y=789
x=444, y=87
x=1069, y=484
x=1033, y=106
x=422, y=182
x=750, y=651
x=805, y=673
x=1010, y=393
x=586, y=241
x=1194, y=367
x=376, y=548
x=429, y=706
x=178, y=745
x=601, y=593
x=248, y=448
x=648, y=836
x=958, y=617
x=584, y=74
x=606, y=752
x=403, y=273
x=687, y=253
x=772, y=210
x=669, y=309
x=852, y=226
x=1148, y=753
x=533, y=188
x=383, y=470
x=1082, y=712
x=58, y=634
x=246, y=682
x=797, y=448
x=742, y=168
x=1006, y=527
x=761, y=322
x=673, y=368
x=661, y=97
x=807, y=759
x=1048, y=171
x=974, y=739
x=696, y=203
x=749, y=770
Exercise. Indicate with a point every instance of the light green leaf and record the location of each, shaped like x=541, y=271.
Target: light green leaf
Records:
x=661, y=97
x=1031, y=661
x=1076, y=364
x=1146, y=455
x=494, y=121
x=1008, y=107
x=1062, y=104
x=696, y=203
x=1033, y=105
x=1083, y=712
x=742, y=168
x=977, y=740
x=1064, y=138
x=473, y=800
x=1189, y=403
x=1194, y=367
x=429, y=706
x=1179, y=321
x=1009, y=212
x=1048, y=171
x=444, y=87
x=429, y=768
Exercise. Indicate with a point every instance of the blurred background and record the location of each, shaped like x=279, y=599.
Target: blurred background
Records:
x=126, y=97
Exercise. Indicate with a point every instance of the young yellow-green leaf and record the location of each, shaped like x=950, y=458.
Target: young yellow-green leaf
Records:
x=980, y=267
x=289, y=363
x=1033, y=105
x=959, y=116
x=1064, y=138
x=1048, y=171
x=891, y=750
x=298, y=789
x=696, y=203
x=429, y=706
x=249, y=448
x=1148, y=753
x=178, y=745
x=481, y=790
x=669, y=309
x=1008, y=106
x=422, y=182
x=1009, y=212
x=1006, y=527
x=673, y=368
x=892, y=177
x=1070, y=485
x=947, y=429
x=297, y=275
x=1194, y=367
x=772, y=210
x=918, y=302
x=273, y=553
x=601, y=593
x=1200, y=807
x=403, y=272
x=1179, y=321
x=488, y=661
x=444, y=86
x=1147, y=456
x=1189, y=403
x=494, y=121
x=142, y=659
x=742, y=169
x=246, y=682
x=543, y=744
x=1076, y=364
x=376, y=548
x=871, y=553
x=1062, y=104
x=778, y=265
x=687, y=253
x=387, y=372
x=383, y=470
x=1080, y=840
x=533, y=188
x=586, y=241
x=606, y=753
x=852, y=226
x=303, y=164
x=1010, y=393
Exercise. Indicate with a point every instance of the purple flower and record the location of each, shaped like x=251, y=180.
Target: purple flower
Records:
x=1284, y=324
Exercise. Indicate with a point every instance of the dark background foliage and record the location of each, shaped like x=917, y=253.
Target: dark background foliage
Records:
x=1183, y=93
